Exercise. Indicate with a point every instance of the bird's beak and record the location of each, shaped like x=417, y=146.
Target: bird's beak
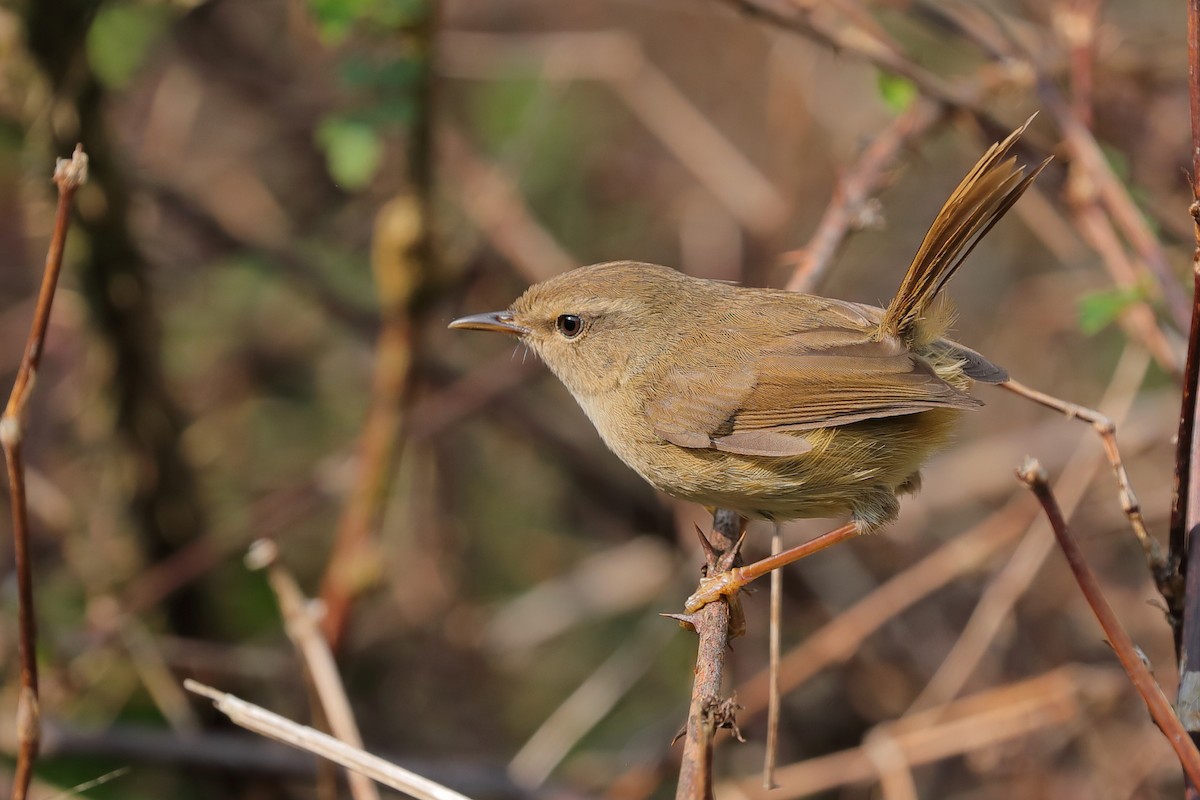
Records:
x=500, y=321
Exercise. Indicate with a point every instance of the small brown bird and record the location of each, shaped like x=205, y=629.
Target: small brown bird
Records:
x=773, y=404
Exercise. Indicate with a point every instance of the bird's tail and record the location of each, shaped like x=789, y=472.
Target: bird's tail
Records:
x=988, y=191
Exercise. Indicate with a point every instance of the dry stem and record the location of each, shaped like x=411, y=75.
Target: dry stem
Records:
x=69, y=175
x=1033, y=476
x=314, y=650
x=265, y=723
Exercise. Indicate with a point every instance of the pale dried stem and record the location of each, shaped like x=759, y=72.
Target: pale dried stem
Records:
x=265, y=723
x=774, y=649
x=967, y=725
x=493, y=201
x=593, y=700
x=315, y=653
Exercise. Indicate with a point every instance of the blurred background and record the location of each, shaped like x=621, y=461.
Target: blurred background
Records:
x=289, y=201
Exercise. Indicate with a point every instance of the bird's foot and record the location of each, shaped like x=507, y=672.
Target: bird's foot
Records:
x=714, y=587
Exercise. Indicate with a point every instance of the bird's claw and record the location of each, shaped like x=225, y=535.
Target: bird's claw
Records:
x=714, y=587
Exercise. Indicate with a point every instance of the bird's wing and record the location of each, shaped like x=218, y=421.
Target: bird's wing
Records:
x=816, y=378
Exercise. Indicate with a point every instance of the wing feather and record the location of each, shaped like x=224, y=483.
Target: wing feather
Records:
x=817, y=378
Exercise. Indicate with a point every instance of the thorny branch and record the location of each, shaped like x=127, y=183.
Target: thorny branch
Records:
x=707, y=712
x=69, y=175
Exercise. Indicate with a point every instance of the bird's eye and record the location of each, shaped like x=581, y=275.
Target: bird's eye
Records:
x=569, y=325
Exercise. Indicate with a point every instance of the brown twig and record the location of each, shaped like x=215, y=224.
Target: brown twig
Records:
x=1074, y=21
x=707, y=712
x=728, y=581
x=1033, y=476
x=1106, y=429
x=853, y=193
x=69, y=175
x=849, y=38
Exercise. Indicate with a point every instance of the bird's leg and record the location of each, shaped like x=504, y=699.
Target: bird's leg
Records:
x=721, y=554
x=729, y=582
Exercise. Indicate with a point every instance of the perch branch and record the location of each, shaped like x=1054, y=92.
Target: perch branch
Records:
x=707, y=711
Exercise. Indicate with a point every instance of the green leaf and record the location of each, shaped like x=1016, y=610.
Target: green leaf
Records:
x=352, y=151
x=336, y=18
x=120, y=37
x=1098, y=310
x=897, y=93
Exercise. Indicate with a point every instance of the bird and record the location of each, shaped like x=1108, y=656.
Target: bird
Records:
x=774, y=404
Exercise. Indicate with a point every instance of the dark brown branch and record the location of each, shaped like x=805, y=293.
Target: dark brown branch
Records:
x=1033, y=476
x=69, y=175
x=1185, y=500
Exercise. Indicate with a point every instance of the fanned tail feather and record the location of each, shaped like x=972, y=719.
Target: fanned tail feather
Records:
x=988, y=191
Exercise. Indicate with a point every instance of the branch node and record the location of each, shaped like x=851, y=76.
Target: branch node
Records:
x=71, y=173
x=263, y=554
x=10, y=430
x=1032, y=473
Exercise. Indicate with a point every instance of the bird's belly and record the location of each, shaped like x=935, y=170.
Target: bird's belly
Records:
x=852, y=469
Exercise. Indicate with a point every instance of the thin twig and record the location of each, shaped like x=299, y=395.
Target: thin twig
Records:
x=849, y=38
x=265, y=723
x=587, y=705
x=314, y=651
x=774, y=699
x=1106, y=429
x=1033, y=476
x=69, y=175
